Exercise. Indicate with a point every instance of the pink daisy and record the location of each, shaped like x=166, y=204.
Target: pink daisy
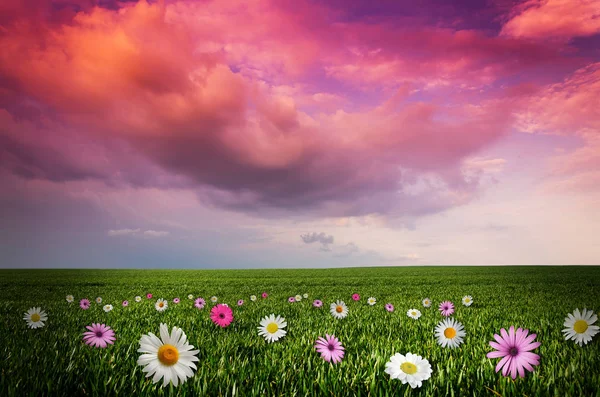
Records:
x=389, y=307
x=176, y=300
x=149, y=296
x=291, y=299
x=99, y=335
x=515, y=350
x=199, y=303
x=355, y=297
x=240, y=302
x=264, y=295
x=125, y=303
x=84, y=304
x=221, y=315
x=330, y=348
x=317, y=303
x=446, y=308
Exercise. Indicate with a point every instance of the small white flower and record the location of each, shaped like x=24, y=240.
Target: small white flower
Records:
x=298, y=298
x=161, y=305
x=411, y=369
x=271, y=328
x=108, y=308
x=98, y=300
x=426, y=302
x=214, y=299
x=305, y=296
x=467, y=300
x=338, y=309
x=190, y=296
x=413, y=313
x=371, y=301
x=70, y=298
x=35, y=317
x=253, y=298
x=138, y=298
x=579, y=326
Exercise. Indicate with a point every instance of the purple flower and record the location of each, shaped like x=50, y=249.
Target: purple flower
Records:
x=199, y=303
x=125, y=303
x=317, y=303
x=389, y=307
x=446, y=308
x=330, y=348
x=240, y=302
x=355, y=297
x=84, y=304
x=291, y=299
x=176, y=300
x=515, y=350
x=99, y=335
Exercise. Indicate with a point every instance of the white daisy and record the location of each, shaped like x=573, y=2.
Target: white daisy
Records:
x=426, y=302
x=253, y=298
x=411, y=369
x=467, y=300
x=579, y=326
x=338, y=309
x=413, y=313
x=371, y=301
x=161, y=305
x=98, y=300
x=190, y=296
x=214, y=299
x=170, y=357
x=108, y=308
x=138, y=298
x=35, y=317
x=298, y=298
x=305, y=296
x=450, y=333
x=70, y=298
x=272, y=328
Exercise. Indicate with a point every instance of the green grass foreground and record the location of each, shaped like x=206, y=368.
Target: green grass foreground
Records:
x=53, y=360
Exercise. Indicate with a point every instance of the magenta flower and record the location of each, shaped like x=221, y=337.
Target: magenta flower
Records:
x=446, y=308
x=330, y=348
x=99, y=335
x=291, y=299
x=125, y=303
x=84, y=304
x=240, y=302
x=317, y=303
x=199, y=303
x=176, y=300
x=149, y=296
x=389, y=307
x=515, y=350
x=355, y=297
x=221, y=315
x=264, y=295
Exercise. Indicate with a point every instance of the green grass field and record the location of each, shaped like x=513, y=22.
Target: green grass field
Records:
x=53, y=360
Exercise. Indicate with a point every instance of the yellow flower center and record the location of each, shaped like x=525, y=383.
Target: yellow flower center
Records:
x=339, y=309
x=168, y=355
x=408, y=368
x=580, y=326
x=467, y=300
x=449, y=333
x=272, y=328
x=413, y=313
x=161, y=304
x=36, y=317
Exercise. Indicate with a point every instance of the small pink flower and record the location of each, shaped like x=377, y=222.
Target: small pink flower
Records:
x=355, y=297
x=199, y=303
x=84, y=304
x=240, y=302
x=221, y=315
x=125, y=303
x=149, y=296
x=264, y=295
x=330, y=348
x=317, y=303
x=99, y=335
x=176, y=300
x=515, y=350
x=446, y=308
x=389, y=307
x=291, y=299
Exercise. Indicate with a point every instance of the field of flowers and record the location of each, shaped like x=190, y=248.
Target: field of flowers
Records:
x=238, y=359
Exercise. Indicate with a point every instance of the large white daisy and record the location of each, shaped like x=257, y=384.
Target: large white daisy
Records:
x=450, y=333
x=579, y=326
x=161, y=305
x=411, y=369
x=467, y=300
x=413, y=313
x=272, y=328
x=426, y=302
x=170, y=357
x=371, y=301
x=35, y=317
x=338, y=309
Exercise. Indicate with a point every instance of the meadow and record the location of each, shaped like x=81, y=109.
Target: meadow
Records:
x=235, y=360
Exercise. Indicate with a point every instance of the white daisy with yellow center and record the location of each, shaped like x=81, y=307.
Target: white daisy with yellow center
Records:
x=580, y=326
x=298, y=298
x=426, y=302
x=413, y=313
x=108, y=308
x=305, y=296
x=411, y=369
x=171, y=357
x=98, y=300
x=338, y=309
x=253, y=298
x=467, y=300
x=371, y=301
x=450, y=333
x=70, y=298
x=161, y=305
x=190, y=296
x=214, y=299
x=138, y=298
x=271, y=328
x=35, y=317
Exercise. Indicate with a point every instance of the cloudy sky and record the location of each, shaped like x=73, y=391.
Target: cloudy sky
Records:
x=297, y=133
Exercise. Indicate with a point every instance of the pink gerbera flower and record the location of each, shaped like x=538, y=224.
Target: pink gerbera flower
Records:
x=176, y=300
x=149, y=296
x=389, y=307
x=99, y=335
x=84, y=304
x=291, y=299
x=264, y=295
x=355, y=297
x=125, y=303
x=330, y=348
x=515, y=350
x=317, y=303
x=199, y=303
x=240, y=302
x=221, y=315
x=446, y=308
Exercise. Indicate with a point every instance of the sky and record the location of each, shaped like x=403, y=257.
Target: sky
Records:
x=272, y=134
